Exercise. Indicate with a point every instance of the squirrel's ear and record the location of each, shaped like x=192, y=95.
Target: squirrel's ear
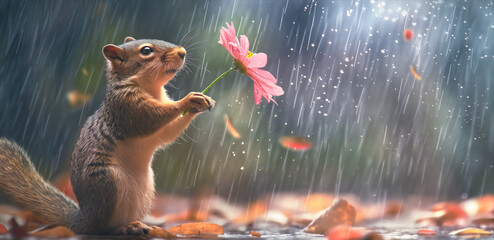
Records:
x=113, y=52
x=129, y=39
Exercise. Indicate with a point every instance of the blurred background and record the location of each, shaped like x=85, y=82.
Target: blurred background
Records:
x=377, y=131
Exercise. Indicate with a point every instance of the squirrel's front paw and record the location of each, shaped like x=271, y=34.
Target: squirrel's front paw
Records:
x=199, y=102
x=134, y=228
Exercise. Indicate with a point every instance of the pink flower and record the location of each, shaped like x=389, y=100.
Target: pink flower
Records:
x=249, y=63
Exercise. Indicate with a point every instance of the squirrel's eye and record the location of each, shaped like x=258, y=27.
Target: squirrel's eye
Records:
x=146, y=51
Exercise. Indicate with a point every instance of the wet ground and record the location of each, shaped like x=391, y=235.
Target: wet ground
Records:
x=388, y=229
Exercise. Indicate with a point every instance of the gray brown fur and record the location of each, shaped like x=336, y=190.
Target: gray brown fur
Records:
x=136, y=112
x=21, y=181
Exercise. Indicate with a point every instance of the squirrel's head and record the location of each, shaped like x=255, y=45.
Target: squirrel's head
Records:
x=145, y=59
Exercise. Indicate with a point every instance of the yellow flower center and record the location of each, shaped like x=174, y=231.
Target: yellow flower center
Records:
x=239, y=66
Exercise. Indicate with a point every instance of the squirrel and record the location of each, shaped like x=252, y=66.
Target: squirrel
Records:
x=110, y=168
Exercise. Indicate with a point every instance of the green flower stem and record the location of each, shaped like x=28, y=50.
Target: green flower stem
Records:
x=218, y=78
x=210, y=85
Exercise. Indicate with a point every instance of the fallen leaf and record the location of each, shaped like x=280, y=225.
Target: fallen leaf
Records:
x=426, y=232
x=158, y=232
x=197, y=228
x=414, y=72
x=446, y=214
x=55, y=232
x=471, y=231
x=231, y=129
x=3, y=230
x=341, y=212
x=295, y=143
x=255, y=234
x=344, y=232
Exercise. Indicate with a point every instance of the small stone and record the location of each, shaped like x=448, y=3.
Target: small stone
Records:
x=341, y=212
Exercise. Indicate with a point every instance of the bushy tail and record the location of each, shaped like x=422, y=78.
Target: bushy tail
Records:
x=20, y=180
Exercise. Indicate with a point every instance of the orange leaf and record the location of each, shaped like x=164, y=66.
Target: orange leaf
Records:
x=55, y=232
x=414, y=72
x=255, y=234
x=158, y=232
x=341, y=212
x=446, y=214
x=3, y=230
x=295, y=143
x=231, y=129
x=197, y=228
x=426, y=232
x=471, y=231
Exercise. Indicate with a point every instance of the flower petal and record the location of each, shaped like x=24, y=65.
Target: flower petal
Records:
x=258, y=60
x=264, y=85
x=232, y=36
x=244, y=44
x=231, y=27
x=257, y=96
x=264, y=82
x=235, y=51
x=223, y=40
x=229, y=40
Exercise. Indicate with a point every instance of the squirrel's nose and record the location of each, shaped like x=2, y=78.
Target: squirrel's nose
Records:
x=181, y=52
